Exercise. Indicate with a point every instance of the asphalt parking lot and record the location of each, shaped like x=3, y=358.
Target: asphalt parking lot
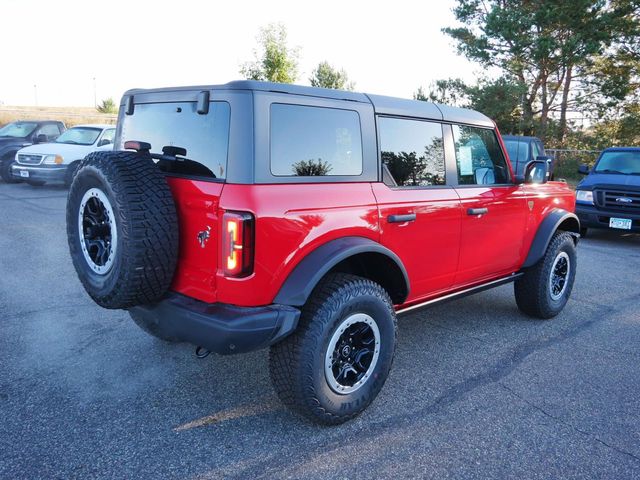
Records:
x=476, y=391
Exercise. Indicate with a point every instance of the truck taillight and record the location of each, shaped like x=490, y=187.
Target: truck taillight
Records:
x=237, y=244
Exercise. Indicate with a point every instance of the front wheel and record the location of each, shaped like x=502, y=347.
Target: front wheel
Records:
x=544, y=289
x=336, y=362
x=5, y=171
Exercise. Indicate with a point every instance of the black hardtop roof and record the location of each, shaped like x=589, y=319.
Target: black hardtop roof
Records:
x=382, y=104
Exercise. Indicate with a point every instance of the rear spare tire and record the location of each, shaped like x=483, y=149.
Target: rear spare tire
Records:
x=122, y=229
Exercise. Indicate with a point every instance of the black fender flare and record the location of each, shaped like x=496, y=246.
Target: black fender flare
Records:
x=548, y=227
x=298, y=286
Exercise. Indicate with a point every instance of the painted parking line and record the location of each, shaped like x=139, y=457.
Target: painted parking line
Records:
x=242, y=411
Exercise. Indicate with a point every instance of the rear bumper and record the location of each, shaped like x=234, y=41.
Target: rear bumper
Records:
x=592, y=217
x=218, y=327
x=54, y=173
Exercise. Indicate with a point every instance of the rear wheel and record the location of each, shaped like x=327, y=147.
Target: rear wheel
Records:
x=544, y=289
x=336, y=362
x=122, y=229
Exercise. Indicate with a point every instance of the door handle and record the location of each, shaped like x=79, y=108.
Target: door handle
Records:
x=477, y=211
x=407, y=217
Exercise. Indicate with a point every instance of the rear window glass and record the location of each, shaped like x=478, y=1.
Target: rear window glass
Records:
x=315, y=141
x=205, y=137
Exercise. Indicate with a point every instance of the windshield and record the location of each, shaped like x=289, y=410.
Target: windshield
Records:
x=626, y=162
x=517, y=150
x=18, y=129
x=79, y=136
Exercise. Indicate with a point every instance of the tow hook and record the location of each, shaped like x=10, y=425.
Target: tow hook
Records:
x=202, y=352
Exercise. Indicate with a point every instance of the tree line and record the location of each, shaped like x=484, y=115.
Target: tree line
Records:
x=565, y=71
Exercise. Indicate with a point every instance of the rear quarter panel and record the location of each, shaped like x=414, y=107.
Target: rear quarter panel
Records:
x=291, y=221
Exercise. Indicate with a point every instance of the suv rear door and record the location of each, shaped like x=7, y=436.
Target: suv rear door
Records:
x=420, y=214
x=196, y=180
x=494, y=209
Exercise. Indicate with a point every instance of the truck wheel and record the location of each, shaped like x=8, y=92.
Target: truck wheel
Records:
x=336, y=362
x=5, y=170
x=544, y=289
x=72, y=169
x=122, y=229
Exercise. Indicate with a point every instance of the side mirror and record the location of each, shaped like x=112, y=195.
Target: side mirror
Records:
x=41, y=138
x=536, y=171
x=104, y=141
x=583, y=169
x=544, y=158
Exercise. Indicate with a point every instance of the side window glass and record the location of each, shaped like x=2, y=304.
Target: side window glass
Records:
x=107, y=137
x=479, y=158
x=315, y=141
x=50, y=130
x=536, y=150
x=412, y=152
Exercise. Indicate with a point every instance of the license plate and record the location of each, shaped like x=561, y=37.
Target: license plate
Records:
x=24, y=173
x=621, y=223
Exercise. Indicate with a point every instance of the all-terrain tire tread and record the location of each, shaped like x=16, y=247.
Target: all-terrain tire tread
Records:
x=288, y=364
x=531, y=289
x=147, y=222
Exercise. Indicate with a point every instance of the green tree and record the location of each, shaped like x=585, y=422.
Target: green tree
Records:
x=274, y=60
x=107, y=106
x=546, y=46
x=326, y=76
x=500, y=99
x=451, y=91
x=311, y=168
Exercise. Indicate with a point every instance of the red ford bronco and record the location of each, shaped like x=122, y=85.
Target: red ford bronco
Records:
x=251, y=215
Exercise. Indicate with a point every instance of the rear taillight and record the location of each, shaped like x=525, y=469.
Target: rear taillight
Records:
x=237, y=244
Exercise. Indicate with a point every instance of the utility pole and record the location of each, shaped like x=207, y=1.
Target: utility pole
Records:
x=35, y=93
x=95, y=97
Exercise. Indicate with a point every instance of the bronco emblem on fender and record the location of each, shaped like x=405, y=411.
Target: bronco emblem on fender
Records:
x=203, y=236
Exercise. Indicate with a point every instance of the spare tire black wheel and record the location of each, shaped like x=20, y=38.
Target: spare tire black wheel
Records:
x=122, y=229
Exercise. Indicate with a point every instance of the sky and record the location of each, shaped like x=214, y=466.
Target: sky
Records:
x=68, y=52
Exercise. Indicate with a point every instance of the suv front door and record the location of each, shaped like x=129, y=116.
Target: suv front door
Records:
x=494, y=209
x=419, y=213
